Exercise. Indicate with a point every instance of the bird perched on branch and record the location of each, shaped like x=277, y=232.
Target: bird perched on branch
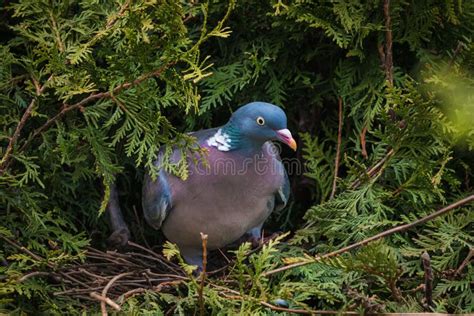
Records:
x=242, y=182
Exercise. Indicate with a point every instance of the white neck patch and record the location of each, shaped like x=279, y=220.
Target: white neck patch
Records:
x=220, y=140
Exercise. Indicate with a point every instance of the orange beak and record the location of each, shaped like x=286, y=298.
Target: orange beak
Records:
x=284, y=135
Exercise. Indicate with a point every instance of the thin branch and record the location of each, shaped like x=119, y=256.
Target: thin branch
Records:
x=56, y=32
x=465, y=262
x=456, y=52
x=121, y=12
x=110, y=23
x=103, y=308
x=94, y=97
x=33, y=274
x=363, y=142
x=425, y=258
x=105, y=300
x=237, y=296
x=306, y=312
x=27, y=251
x=375, y=169
x=11, y=144
x=338, y=150
x=159, y=258
x=203, y=274
x=388, y=43
x=397, y=229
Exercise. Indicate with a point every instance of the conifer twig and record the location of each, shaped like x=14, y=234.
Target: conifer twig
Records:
x=391, y=231
x=338, y=149
x=14, y=138
x=94, y=97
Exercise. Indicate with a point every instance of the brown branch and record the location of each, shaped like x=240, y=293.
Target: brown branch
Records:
x=26, y=251
x=121, y=12
x=159, y=258
x=94, y=97
x=103, y=308
x=375, y=169
x=397, y=229
x=33, y=274
x=388, y=43
x=306, y=312
x=105, y=300
x=338, y=150
x=110, y=23
x=39, y=258
x=14, y=138
x=425, y=258
x=238, y=296
x=363, y=142
x=56, y=32
x=465, y=262
x=203, y=274
x=456, y=52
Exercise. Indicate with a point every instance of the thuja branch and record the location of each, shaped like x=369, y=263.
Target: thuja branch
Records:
x=397, y=229
x=16, y=134
x=95, y=97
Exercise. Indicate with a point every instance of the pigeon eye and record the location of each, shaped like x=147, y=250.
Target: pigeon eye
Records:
x=260, y=120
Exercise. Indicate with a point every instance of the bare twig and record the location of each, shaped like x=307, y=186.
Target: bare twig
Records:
x=455, y=54
x=363, y=142
x=375, y=169
x=33, y=274
x=26, y=251
x=237, y=296
x=203, y=274
x=159, y=258
x=465, y=262
x=425, y=258
x=386, y=233
x=140, y=226
x=105, y=300
x=107, y=287
x=14, y=138
x=338, y=150
x=388, y=43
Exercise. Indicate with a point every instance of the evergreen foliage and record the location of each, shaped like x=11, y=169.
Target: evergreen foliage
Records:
x=90, y=90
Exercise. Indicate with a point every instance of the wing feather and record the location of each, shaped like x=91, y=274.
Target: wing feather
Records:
x=156, y=199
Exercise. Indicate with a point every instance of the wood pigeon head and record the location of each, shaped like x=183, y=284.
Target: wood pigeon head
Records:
x=254, y=124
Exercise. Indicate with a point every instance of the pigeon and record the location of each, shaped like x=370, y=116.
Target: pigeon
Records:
x=228, y=194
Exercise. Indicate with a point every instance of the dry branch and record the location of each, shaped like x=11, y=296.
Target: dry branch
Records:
x=397, y=229
x=425, y=258
x=203, y=274
x=338, y=150
x=465, y=261
x=388, y=64
x=105, y=300
x=16, y=134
